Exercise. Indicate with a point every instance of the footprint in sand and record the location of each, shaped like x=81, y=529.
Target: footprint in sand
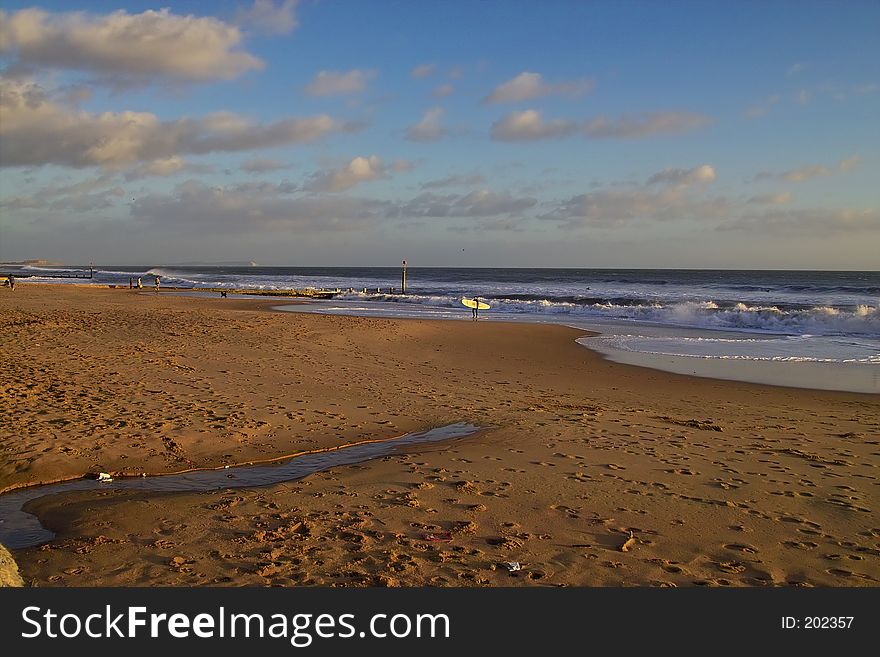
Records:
x=671, y=567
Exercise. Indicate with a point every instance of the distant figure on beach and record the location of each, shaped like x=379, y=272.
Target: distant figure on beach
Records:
x=139, y=283
x=223, y=293
x=130, y=284
x=476, y=306
x=157, y=284
x=12, y=282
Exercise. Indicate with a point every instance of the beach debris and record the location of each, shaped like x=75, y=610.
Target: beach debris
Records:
x=630, y=542
x=443, y=537
x=512, y=566
x=103, y=476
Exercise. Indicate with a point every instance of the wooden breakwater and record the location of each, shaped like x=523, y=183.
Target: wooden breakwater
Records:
x=308, y=293
x=90, y=273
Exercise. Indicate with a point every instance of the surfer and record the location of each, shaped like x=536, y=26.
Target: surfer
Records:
x=475, y=305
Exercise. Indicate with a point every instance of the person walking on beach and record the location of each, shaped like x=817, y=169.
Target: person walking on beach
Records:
x=139, y=283
x=12, y=282
x=130, y=284
x=157, y=285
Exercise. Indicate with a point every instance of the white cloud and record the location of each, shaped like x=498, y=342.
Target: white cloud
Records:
x=761, y=108
x=422, y=71
x=89, y=202
x=527, y=86
x=168, y=166
x=529, y=125
x=806, y=173
x=480, y=203
x=153, y=44
x=800, y=174
x=430, y=128
x=645, y=125
x=194, y=207
x=850, y=163
x=810, y=171
x=36, y=131
x=443, y=90
x=682, y=195
x=461, y=180
x=807, y=221
x=339, y=83
x=783, y=198
x=359, y=170
x=262, y=165
x=612, y=207
x=83, y=196
x=671, y=194
x=266, y=17
x=701, y=174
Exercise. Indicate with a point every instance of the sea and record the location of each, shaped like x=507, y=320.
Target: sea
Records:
x=814, y=328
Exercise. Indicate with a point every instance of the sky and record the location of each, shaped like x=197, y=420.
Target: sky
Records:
x=468, y=134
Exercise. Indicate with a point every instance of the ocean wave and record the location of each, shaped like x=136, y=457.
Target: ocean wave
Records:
x=752, y=357
x=862, y=320
x=791, y=349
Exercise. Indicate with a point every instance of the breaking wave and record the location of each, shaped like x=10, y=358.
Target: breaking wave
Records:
x=861, y=320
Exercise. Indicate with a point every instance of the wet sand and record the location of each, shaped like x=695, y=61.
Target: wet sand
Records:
x=703, y=482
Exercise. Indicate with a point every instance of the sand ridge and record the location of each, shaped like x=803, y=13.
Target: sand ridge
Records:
x=704, y=482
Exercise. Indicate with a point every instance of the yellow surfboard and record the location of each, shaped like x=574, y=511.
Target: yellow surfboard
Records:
x=473, y=303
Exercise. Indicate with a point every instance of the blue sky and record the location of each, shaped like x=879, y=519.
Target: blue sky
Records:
x=584, y=134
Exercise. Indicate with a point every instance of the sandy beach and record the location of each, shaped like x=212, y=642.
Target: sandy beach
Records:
x=588, y=472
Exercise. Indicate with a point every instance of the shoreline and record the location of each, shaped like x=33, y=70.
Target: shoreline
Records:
x=721, y=482
x=807, y=375
x=861, y=378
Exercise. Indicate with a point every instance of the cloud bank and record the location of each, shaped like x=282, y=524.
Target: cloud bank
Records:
x=36, y=131
x=153, y=44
